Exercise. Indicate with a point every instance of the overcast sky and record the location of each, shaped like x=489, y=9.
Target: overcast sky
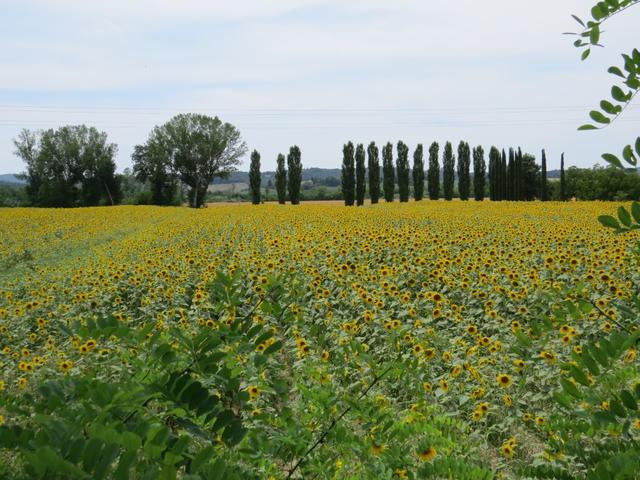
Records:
x=315, y=73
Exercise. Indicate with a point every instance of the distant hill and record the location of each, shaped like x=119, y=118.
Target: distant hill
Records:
x=10, y=178
x=318, y=174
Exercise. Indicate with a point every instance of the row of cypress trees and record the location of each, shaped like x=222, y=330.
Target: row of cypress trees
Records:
x=519, y=178
x=354, y=172
x=286, y=178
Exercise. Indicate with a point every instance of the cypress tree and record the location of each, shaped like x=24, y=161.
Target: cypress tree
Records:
x=295, y=174
x=254, y=177
x=433, y=173
x=464, y=160
x=389, y=181
x=281, y=180
x=418, y=174
x=361, y=182
x=402, y=167
x=563, y=184
x=348, y=174
x=479, y=173
x=494, y=173
x=520, y=180
x=511, y=175
x=504, y=180
x=448, y=171
x=544, y=195
x=374, y=172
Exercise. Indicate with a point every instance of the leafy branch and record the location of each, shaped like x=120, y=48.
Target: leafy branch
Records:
x=610, y=110
x=335, y=421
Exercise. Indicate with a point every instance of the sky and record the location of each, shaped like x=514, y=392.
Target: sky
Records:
x=315, y=73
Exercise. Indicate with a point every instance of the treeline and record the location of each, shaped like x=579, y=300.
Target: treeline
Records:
x=74, y=166
x=517, y=179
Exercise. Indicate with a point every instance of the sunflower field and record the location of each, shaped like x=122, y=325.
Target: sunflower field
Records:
x=423, y=340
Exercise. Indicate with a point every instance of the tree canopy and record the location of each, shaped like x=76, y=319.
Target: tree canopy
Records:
x=70, y=166
x=196, y=148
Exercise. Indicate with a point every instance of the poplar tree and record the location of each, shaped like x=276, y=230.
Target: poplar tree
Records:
x=433, y=173
x=464, y=160
x=448, y=171
x=389, y=181
x=374, y=172
x=563, y=184
x=402, y=167
x=418, y=174
x=361, y=182
x=544, y=195
x=281, y=180
x=295, y=174
x=479, y=173
x=254, y=177
x=348, y=174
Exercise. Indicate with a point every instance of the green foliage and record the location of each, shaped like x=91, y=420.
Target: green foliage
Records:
x=504, y=178
x=70, y=166
x=627, y=77
x=281, y=179
x=294, y=166
x=626, y=221
x=151, y=165
x=348, y=174
x=433, y=173
x=479, y=173
x=388, y=173
x=374, y=172
x=182, y=410
x=529, y=177
x=192, y=147
x=448, y=171
x=464, y=162
x=600, y=183
x=402, y=167
x=495, y=170
x=254, y=177
x=511, y=176
x=418, y=174
x=13, y=195
x=361, y=183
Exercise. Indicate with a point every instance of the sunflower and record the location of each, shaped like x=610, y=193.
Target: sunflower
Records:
x=377, y=448
x=507, y=450
x=504, y=380
x=65, y=365
x=427, y=454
